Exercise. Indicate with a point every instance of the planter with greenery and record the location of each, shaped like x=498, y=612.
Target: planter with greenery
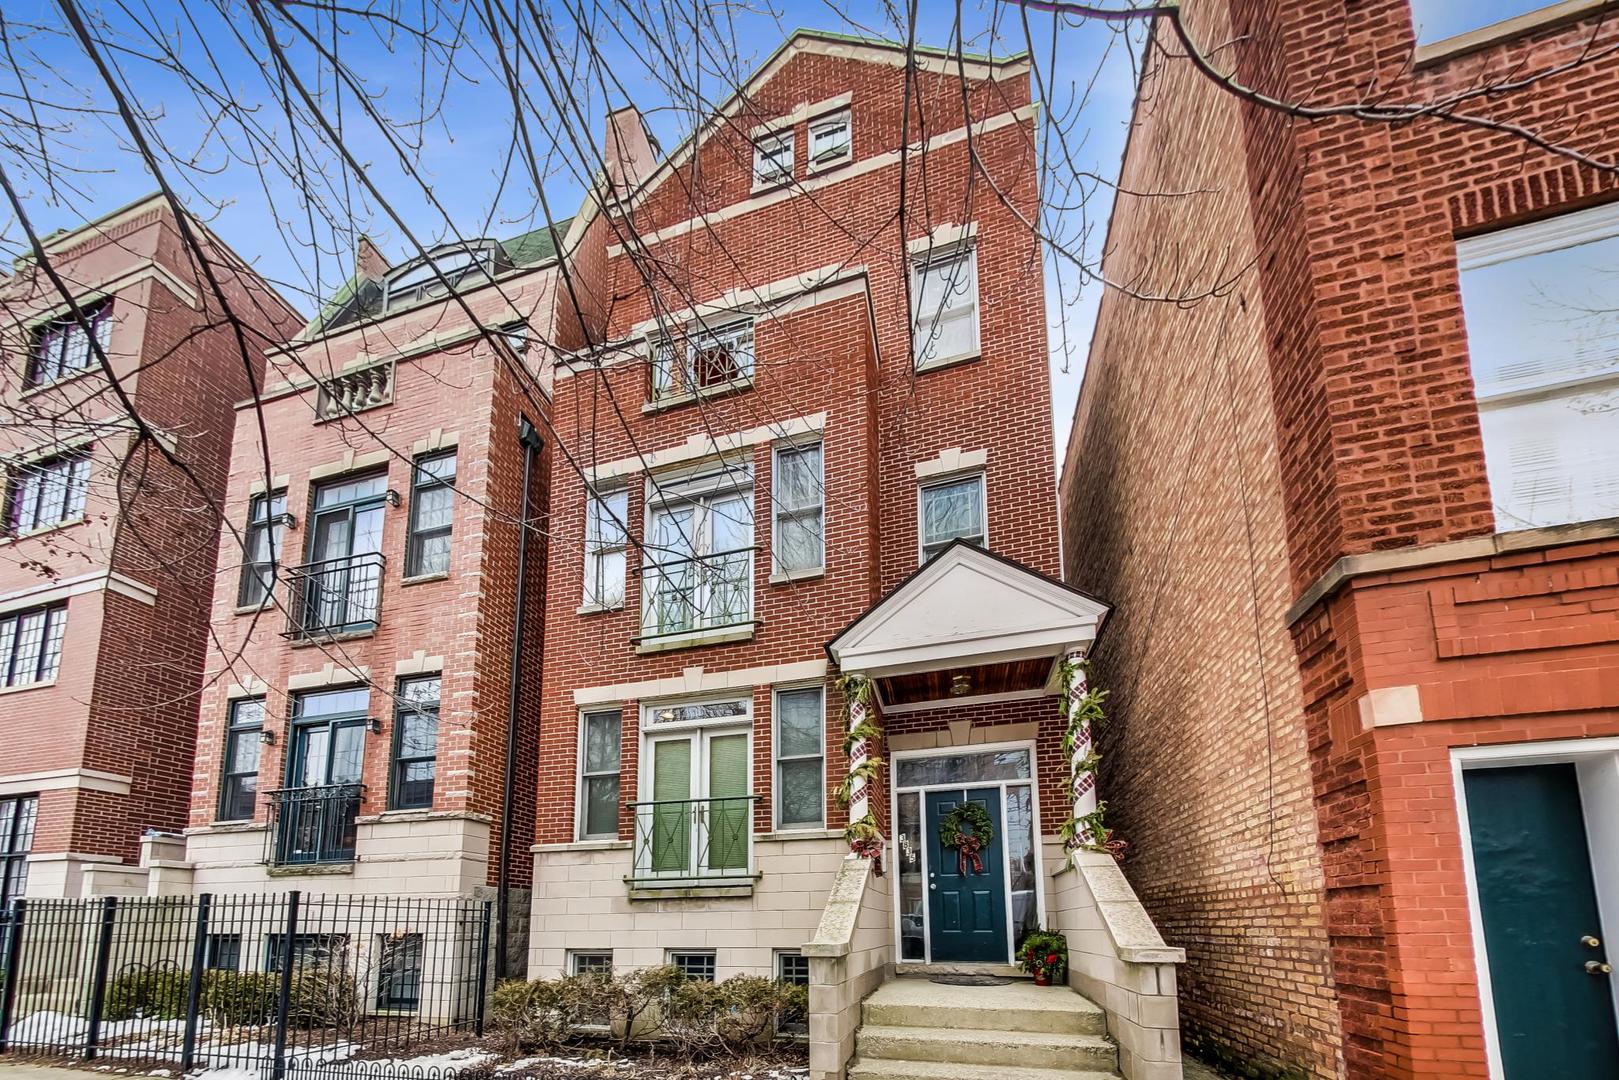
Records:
x=1044, y=954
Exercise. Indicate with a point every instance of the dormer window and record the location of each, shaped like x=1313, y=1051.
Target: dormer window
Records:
x=829, y=140
x=773, y=159
x=707, y=360
x=451, y=266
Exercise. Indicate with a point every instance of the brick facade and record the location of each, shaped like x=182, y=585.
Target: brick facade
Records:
x=1314, y=608
x=107, y=745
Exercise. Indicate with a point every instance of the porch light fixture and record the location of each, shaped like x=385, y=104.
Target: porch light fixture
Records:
x=961, y=684
x=287, y=520
x=374, y=726
x=391, y=498
x=267, y=737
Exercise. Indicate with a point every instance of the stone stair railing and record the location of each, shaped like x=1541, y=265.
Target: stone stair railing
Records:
x=851, y=954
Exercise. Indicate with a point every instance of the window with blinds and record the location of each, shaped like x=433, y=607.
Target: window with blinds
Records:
x=1541, y=303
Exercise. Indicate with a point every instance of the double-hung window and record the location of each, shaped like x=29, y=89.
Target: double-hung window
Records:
x=239, y=780
x=31, y=645
x=415, y=743
x=599, y=736
x=800, y=758
x=48, y=492
x=432, y=512
x=773, y=159
x=944, y=300
x=1542, y=308
x=699, y=552
x=952, y=509
x=829, y=140
x=606, y=541
x=266, y=522
x=399, y=971
x=17, y=817
x=62, y=347
x=798, y=500
x=709, y=358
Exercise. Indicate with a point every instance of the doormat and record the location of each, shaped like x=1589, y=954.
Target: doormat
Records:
x=969, y=980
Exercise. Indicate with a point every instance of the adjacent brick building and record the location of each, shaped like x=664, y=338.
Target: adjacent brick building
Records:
x=104, y=601
x=1356, y=502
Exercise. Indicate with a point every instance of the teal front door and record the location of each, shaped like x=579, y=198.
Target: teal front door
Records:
x=966, y=898
x=1554, y=1015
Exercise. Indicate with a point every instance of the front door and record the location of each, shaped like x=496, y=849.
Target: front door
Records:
x=1554, y=1015
x=966, y=897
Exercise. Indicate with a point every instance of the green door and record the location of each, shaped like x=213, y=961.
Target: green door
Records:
x=1537, y=899
x=966, y=899
x=672, y=814
x=728, y=807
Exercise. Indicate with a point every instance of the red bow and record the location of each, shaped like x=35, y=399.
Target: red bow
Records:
x=967, y=847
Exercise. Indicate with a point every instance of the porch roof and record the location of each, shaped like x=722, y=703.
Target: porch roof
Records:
x=968, y=607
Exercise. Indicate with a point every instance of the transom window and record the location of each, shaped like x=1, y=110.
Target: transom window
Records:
x=773, y=158
x=699, y=552
x=1542, y=308
x=432, y=513
x=600, y=735
x=239, y=781
x=48, y=492
x=800, y=758
x=17, y=816
x=798, y=499
x=829, y=139
x=944, y=300
x=952, y=509
x=266, y=523
x=62, y=347
x=31, y=645
x=606, y=543
x=415, y=743
x=706, y=360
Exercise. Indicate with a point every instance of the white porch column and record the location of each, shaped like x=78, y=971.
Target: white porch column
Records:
x=859, y=751
x=1084, y=792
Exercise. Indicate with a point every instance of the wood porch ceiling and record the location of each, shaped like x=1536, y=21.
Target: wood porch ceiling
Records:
x=978, y=681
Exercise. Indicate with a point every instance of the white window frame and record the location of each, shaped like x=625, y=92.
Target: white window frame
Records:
x=673, y=364
x=574, y=955
x=923, y=323
x=840, y=117
x=944, y=481
x=1564, y=231
x=778, y=512
x=768, y=150
x=776, y=758
x=580, y=774
x=699, y=491
x=592, y=600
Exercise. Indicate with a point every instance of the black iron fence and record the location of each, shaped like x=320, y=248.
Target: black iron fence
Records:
x=337, y=596
x=241, y=981
x=313, y=824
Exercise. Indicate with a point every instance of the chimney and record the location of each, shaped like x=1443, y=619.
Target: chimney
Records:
x=368, y=261
x=628, y=153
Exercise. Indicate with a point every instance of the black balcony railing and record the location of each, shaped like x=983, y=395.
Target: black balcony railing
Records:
x=313, y=824
x=694, y=839
x=702, y=593
x=337, y=596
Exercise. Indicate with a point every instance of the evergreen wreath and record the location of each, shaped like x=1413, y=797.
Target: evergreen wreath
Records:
x=969, y=830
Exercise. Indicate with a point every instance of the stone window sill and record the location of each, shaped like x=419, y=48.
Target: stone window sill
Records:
x=715, y=890
x=695, y=639
x=1485, y=37
x=311, y=870
x=43, y=529
x=674, y=401
x=597, y=609
x=583, y=845
x=783, y=835
x=948, y=362
x=26, y=687
x=327, y=639
x=423, y=579
x=787, y=577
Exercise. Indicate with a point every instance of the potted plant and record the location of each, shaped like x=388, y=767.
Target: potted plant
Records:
x=1044, y=955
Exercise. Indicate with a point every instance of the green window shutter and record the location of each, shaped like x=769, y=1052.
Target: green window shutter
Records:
x=671, y=824
x=728, y=811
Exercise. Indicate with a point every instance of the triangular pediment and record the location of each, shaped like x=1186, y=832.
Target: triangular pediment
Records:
x=968, y=606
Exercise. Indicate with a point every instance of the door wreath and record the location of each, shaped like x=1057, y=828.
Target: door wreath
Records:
x=969, y=830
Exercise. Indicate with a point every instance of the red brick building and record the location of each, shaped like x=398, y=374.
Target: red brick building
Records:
x=103, y=604
x=1356, y=505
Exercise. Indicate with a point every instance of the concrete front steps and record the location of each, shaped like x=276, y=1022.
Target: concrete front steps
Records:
x=913, y=1029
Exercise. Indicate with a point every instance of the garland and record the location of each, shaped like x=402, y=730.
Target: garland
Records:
x=1084, y=716
x=862, y=835
x=969, y=830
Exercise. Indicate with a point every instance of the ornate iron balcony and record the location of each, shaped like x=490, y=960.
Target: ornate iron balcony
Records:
x=338, y=596
x=702, y=593
x=694, y=840
x=313, y=824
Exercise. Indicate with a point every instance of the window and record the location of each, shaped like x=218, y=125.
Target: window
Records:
x=16, y=840
x=951, y=509
x=266, y=522
x=598, y=775
x=793, y=968
x=239, y=783
x=432, y=511
x=799, y=505
x=328, y=951
x=415, y=743
x=49, y=492
x=800, y=764
x=699, y=553
x=606, y=541
x=696, y=817
x=1542, y=309
x=590, y=963
x=399, y=971
x=944, y=293
x=773, y=159
x=31, y=645
x=694, y=965
x=1436, y=20
x=222, y=952
x=829, y=139
x=437, y=272
x=62, y=347
x=710, y=359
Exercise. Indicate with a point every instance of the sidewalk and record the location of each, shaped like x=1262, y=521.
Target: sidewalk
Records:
x=19, y=1070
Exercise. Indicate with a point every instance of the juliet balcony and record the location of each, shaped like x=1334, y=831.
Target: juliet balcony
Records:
x=681, y=842
x=697, y=594
x=313, y=825
x=334, y=597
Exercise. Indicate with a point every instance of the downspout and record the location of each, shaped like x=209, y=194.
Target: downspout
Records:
x=531, y=443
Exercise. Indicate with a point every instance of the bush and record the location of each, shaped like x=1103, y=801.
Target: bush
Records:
x=320, y=997
x=153, y=993
x=240, y=998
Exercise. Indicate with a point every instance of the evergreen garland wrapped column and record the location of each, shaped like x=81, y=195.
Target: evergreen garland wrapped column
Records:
x=1081, y=706
x=862, y=834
